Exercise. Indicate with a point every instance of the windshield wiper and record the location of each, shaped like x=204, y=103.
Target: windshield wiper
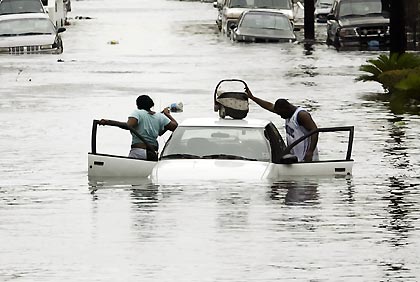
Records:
x=34, y=33
x=180, y=156
x=8, y=34
x=352, y=16
x=227, y=157
x=375, y=14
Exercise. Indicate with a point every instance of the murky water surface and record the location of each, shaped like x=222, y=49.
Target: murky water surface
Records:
x=52, y=228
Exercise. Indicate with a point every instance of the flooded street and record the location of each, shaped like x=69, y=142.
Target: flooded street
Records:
x=54, y=226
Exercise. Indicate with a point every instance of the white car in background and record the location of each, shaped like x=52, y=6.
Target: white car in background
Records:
x=29, y=33
x=232, y=10
x=8, y=7
x=322, y=9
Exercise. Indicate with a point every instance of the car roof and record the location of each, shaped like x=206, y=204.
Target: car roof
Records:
x=24, y=16
x=213, y=122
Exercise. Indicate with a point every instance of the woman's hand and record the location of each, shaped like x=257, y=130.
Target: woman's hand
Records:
x=166, y=111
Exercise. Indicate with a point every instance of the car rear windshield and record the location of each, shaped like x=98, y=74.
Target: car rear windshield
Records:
x=266, y=21
x=274, y=4
x=20, y=6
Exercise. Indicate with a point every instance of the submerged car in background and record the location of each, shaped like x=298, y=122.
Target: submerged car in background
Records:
x=29, y=33
x=322, y=9
x=232, y=10
x=358, y=23
x=8, y=7
x=263, y=26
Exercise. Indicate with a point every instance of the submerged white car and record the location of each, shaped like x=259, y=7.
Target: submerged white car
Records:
x=29, y=33
x=221, y=149
x=263, y=26
x=232, y=10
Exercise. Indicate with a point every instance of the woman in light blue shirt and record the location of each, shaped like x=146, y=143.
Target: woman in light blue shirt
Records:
x=147, y=123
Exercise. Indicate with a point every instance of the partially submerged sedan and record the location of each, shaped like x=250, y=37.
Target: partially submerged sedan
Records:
x=29, y=33
x=263, y=26
x=8, y=7
x=221, y=149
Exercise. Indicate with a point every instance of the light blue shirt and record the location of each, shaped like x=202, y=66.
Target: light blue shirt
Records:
x=148, y=126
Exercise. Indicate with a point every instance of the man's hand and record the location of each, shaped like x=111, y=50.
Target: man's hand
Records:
x=248, y=93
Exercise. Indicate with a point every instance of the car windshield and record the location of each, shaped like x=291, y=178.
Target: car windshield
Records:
x=275, y=4
x=324, y=3
x=20, y=6
x=360, y=8
x=218, y=143
x=18, y=27
x=265, y=21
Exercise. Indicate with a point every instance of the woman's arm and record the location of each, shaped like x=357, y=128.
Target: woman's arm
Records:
x=172, y=125
x=123, y=125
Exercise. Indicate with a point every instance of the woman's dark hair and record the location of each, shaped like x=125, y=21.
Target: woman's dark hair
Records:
x=144, y=102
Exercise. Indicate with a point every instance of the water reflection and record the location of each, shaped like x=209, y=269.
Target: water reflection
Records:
x=145, y=202
x=396, y=151
x=399, y=222
x=295, y=192
x=233, y=205
x=145, y=197
x=402, y=211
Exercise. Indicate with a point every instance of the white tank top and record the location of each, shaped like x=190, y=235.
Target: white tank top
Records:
x=293, y=132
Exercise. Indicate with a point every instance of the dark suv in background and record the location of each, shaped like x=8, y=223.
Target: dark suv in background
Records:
x=358, y=23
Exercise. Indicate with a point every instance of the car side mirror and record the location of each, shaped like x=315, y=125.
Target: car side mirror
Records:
x=330, y=17
x=61, y=29
x=295, y=28
x=233, y=26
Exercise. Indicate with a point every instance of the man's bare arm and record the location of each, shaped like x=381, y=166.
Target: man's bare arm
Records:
x=262, y=103
x=305, y=119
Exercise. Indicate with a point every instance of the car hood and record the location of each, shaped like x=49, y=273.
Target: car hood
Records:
x=267, y=33
x=235, y=13
x=176, y=171
x=26, y=40
x=361, y=21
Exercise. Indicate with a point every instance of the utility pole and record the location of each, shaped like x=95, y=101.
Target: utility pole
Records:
x=309, y=25
x=398, y=36
x=309, y=20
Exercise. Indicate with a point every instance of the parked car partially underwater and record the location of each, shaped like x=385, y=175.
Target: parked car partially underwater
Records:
x=231, y=10
x=358, y=23
x=263, y=26
x=322, y=9
x=8, y=7
x=29, y=33
x=224, y=149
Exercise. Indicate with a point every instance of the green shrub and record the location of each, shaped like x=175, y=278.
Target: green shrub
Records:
x=390, y=79
x=385, y=63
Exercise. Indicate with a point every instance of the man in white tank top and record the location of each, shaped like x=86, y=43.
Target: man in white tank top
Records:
x=298, y=123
